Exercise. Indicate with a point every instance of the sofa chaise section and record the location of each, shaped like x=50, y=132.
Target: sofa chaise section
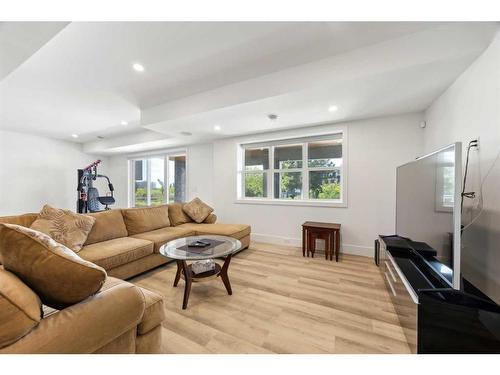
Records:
x=111, y=321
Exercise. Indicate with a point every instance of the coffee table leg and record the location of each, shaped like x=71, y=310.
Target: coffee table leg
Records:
x=187, y=288
x=178, y=273
x=224, y=276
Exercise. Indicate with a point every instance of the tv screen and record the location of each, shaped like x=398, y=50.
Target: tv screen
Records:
x=428, y=208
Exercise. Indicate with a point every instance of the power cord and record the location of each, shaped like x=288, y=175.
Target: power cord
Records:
x=481, y=192
x=470, y=194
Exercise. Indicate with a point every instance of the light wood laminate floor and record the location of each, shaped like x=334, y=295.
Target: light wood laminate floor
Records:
x=281, y=303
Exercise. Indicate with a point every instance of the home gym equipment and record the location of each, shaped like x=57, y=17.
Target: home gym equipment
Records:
x=89, y=199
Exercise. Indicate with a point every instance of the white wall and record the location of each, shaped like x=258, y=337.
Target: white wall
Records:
x=469, y=109
x=36, y=170
x=375, y=147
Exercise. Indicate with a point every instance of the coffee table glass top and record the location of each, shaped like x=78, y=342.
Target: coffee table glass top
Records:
x=178, y=249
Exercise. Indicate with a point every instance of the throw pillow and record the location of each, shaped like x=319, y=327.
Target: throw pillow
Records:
x=177, y=215
x=197, y=210
x=20, y=309
x=66, y=227
x=59, y=276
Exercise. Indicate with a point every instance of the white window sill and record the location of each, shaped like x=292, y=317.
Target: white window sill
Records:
x=283, y=202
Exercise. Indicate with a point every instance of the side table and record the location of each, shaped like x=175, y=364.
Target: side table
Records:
x=329, y=232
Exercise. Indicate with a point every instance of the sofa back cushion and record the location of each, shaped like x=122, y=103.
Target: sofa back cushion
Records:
x=140, y=220
x=59, y=276
x=20, y=309
x=25, y=219
x=66, y=227
x=108, y=226
x=177, y=215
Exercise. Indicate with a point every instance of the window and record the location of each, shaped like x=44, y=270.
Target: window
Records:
x=158, y=180
x=306, y=169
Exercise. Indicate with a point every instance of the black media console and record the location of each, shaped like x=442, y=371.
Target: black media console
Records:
x=435, y=318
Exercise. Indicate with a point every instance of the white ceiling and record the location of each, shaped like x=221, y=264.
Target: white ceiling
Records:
x=233, y=74
x=19, y=40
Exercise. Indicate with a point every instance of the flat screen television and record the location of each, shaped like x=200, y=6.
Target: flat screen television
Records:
x=428, y=192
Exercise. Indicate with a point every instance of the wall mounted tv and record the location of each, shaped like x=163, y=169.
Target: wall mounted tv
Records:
x=428, y=192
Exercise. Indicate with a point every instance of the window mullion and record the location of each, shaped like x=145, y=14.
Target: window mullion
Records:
x=131, y=200
x=270, y=174
x=305, y=171
x=166, y=180
x=148, y=182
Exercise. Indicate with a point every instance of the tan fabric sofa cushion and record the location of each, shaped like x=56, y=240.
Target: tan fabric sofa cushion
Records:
x=140, y=220
x=108, y=225
x=59, y=276
x=231, y=230
x=154, y=314
x=211, y=219
x=64, y=226
x=24, y=220
x=197, y=210
x=86, y=327
x=20, y=308
x=177, y=215
x=163, y=235
x=116, y=252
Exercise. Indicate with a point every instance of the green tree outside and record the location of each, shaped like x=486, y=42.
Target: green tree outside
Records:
x=254, y=185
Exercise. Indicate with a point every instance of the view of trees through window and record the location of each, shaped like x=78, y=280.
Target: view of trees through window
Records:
x=150, y=183
x=306, y=170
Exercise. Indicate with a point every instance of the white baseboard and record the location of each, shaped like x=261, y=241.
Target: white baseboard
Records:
x=365, y=251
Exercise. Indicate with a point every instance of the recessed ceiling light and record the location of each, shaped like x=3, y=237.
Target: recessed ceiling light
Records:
x=74, y=135
x=124, y=123
x=217, y=128
x=333, y=108
x=138, y=67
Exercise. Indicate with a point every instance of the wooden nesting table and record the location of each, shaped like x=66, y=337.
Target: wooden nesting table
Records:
x=329, y=232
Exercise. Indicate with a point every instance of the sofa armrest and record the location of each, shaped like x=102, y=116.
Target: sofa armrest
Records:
x=86, y=326
x=211, y=219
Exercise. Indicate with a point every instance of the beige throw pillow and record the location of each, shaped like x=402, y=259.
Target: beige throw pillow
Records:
x=59, y=276
x=66, y=227
x=197, y=210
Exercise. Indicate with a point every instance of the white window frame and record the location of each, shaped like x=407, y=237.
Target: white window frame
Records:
x=165, y=155
x=304, y=200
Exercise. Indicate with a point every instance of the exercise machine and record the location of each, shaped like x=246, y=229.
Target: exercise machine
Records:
x=89, y=199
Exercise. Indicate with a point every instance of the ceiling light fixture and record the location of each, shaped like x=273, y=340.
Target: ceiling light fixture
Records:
x=333, y=108
x=217, y=128
x=74, y=135
x=272, y=116
x=124, y=123
x=138, y=67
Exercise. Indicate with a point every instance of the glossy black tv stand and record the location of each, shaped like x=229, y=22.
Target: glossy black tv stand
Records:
x=435, y=318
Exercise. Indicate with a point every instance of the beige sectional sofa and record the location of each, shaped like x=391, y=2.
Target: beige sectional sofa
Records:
x=120, y=318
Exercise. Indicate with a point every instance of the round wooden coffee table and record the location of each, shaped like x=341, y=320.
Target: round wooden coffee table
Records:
x=220, y=247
